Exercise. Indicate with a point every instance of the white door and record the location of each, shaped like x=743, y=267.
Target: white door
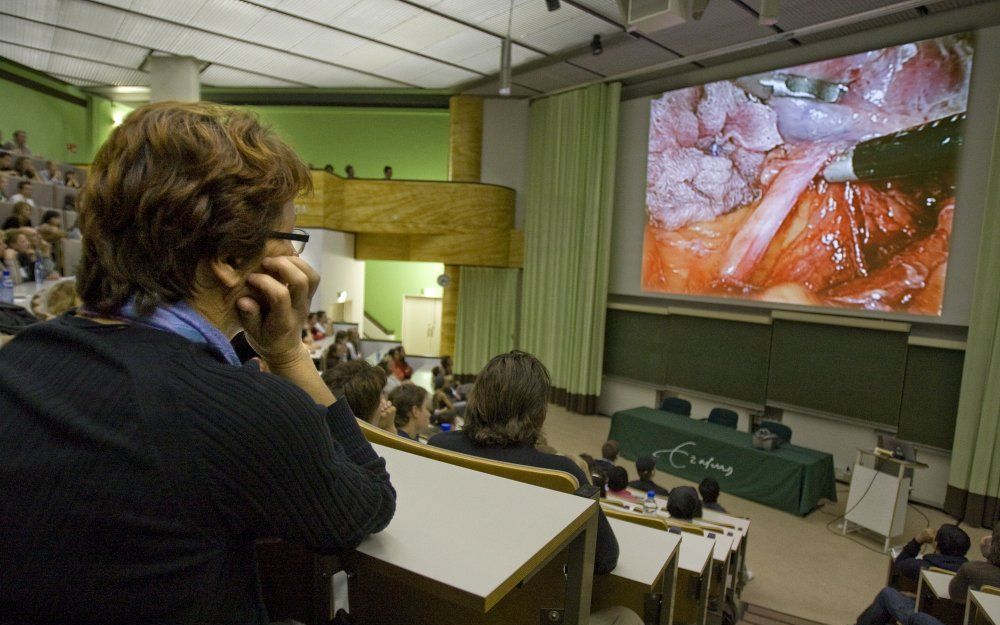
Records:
x=422, y=325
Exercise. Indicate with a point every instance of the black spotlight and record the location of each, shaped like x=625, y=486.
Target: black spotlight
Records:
x=595, y=45
x=553, y=5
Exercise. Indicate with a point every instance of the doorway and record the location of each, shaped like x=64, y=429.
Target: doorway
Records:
x=422, y=325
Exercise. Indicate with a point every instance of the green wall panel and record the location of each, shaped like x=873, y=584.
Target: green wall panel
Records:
x=387, y=281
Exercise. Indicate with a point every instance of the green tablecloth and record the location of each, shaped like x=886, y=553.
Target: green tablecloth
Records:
x=790, y=478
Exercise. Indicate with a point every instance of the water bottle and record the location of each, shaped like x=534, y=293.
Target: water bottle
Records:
x=649, y=505
x=6, y=288
x=39, y=269
x=446, y=427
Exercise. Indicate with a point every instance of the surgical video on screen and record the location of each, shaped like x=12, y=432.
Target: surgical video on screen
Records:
x=829, y=184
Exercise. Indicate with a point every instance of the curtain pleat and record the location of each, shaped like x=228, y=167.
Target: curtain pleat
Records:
x=487, y=317
x=573, y=150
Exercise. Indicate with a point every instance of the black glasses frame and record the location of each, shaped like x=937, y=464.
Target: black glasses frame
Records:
x=297, y=234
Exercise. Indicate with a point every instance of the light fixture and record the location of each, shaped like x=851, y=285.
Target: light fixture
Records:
x=505, y=77
x=553, y=5
x=341, y=297
x=768, y=12
x=595, y=45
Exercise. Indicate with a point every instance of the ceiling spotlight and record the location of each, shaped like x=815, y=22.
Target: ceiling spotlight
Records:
x=553, y=5
x=768, y=13
x=595, y=45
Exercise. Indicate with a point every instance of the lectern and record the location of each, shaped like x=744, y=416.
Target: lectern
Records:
x=879, y=494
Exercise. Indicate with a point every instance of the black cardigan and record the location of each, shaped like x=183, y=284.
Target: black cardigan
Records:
x=606, y=555
x=136, y=471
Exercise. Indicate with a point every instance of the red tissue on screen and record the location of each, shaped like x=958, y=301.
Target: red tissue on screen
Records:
x=738, y=204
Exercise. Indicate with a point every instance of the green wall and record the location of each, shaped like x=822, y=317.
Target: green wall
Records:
x=413, y=142
x=387, y=281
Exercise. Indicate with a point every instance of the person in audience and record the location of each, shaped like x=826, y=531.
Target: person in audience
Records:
x=7, y=166
x=392, y=380
x=314, y=329
x=349, y=171
x=618, y=485
x=403, y=368
x=589, y=461
x=24, y=192
x=52, y=174
x=24, y=168
x=20, y=256
x=450, y=396
x=181, y=458
x=324, y=322
x=51, y=231
x=645, y=466
x=504, y=420
x=387, y=172
x=354, y=344
x=891, y=605
x=412, y=415
x=609, y=454
x=709, y=491
x=361, y=385
x=446, y=364
x=20, y=216
x=19, y=146
x=950, y=542
x=71, y=181
x=684, y=504
x=339, y=348
x=328, y=168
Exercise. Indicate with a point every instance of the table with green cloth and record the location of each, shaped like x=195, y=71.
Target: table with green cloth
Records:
x=789, y=478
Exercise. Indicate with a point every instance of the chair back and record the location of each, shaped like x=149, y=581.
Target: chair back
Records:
x=676, y=405
x=546, y=478
x=990, y=590
x=780, y=430
x=647, y=520
x=724, y=416
x=72, y=250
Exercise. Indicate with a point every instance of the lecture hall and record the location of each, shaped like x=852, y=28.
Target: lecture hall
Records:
x=445, y=312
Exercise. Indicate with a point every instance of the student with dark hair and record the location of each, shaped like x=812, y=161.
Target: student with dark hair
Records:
x=646, y=468
x=361, y=385
x=709, y=491
x=20, y=217
x=890, y=605
x=24, y=168
x=24, y=193
x=684, y=504
x=609, y=454
x=412, y=415
x=618, y=485
x=349, y=171
x=387, y=172
x=503, y=421
x=951, y=544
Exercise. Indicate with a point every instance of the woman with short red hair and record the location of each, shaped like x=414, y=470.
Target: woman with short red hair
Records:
x=139, y=458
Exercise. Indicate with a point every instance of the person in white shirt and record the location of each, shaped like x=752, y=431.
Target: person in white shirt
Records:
x=23, y=193
x=52, y=174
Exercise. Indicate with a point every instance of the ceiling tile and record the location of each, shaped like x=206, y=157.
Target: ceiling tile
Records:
x=327, y=45
x=553, y=77
x=217, y=76
x=489, y=62
x=624, y=54
x=281, y=31
x=228, y=17
x=421, y=32
x=319, y=10
x=371, y=57
x=371, y=18
x=26, y=33
x=176, y=10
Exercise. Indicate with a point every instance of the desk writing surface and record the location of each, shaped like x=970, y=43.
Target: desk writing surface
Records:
x=695, y=552
x=988, y=604
x=643, y=551
x=723, y=545
x=937, y=582
x=487, y=527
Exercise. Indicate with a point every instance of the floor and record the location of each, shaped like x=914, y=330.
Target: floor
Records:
x=801, y=566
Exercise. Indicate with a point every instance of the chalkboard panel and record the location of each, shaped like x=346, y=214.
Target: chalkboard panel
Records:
x=636, y=345
x=847, y=371
x=930, y=395
x=719, y=357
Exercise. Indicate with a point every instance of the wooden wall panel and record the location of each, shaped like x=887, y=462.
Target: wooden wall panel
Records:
x=465, y=138
x=449, y=310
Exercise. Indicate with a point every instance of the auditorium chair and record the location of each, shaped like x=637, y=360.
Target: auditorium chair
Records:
x=780, y=429
x=725, y=417
x=676, y=405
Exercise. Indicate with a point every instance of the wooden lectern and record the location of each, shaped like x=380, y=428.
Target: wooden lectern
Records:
x=878, y=498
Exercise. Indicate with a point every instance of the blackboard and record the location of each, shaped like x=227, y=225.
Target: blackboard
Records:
x=636, y=345
x=930, y=395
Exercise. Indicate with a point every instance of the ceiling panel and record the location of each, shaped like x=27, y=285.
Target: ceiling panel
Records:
x=410, y=68
x=282, y=31
x=26, y=33
x=228, y=17
x=329, y=45
x=217, y=76
x=44, y=10
x=35, y=59
x=97, y=48
x=553, y=77
x=328, y=76
x=462, y=45
x=422, y=31
x=175, y=10
x=623, y=55
x=95, y=71
x=857, y=27
x=488, y=62
x=723, y=24
x=569, y=34
x=490, y=90
x=370, y=57
x=607, y=8
x=532, y=18
x=798, y=13
x=777, y=46
x=319, y=10
x=444, y=77
x=371, y=18
x=90, y=18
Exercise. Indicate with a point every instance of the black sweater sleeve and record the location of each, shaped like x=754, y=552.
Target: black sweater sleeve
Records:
x=907, y=564
x=278, y=467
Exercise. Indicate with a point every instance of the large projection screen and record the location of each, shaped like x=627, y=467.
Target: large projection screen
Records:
x=827, y=184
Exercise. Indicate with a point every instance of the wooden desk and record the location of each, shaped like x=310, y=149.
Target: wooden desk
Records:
x=694, y=576
x=645, y=578
x=468, y=538
x=741, y=534
x=982, y=608
x=933, y=597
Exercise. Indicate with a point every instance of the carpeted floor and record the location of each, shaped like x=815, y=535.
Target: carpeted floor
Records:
x=801, y=566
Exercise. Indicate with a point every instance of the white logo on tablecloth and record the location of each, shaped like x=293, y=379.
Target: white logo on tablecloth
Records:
x=677, y=455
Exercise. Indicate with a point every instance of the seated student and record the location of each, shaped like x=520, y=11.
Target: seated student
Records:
x=20, y=217
x=338, y=350
x=709, y=491
x=403, y=367
x=445, y=397
x=19, y=145
x=951, y=544
x=504, y=420
x=317, y=332
x=25, y=169
x=412, y=415
x=609, y=454
x=22, y=261
x=7, y=166
x=52, y=174
x=24, y=193
x=684, y=504
x=354, y=344
x=71, y=180
x=646, y=468
x=446, y=365
x=392, y=381
x=618, y=485
x=891, y=605
x=361, y=385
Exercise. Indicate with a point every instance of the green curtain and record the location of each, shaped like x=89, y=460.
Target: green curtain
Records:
x=974, y=482
x=487, y=317
x=573, y=143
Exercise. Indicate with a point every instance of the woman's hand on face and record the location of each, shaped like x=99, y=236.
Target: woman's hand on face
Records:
x=278, y=307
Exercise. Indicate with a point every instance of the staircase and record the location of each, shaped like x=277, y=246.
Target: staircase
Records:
x=756, y=615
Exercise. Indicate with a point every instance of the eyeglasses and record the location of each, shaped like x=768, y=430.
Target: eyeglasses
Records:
x=297, y=236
